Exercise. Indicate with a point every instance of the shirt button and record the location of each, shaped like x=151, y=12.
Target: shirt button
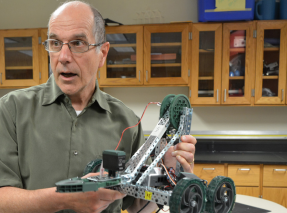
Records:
x=76, y=153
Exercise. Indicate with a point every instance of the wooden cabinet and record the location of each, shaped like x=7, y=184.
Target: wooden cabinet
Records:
x=244, y=175
x=246, y=179
x=270, y=85
x=253, y=68
x=275, y=183
x=44, y=71
x=23, y=59
x=265, y=181
x=124, y=64
x=19, y=58
x=146, y=55
x=208, y=171
x=206, y=51
x=238, y=67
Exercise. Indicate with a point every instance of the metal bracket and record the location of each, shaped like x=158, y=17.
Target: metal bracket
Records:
x=254, y=33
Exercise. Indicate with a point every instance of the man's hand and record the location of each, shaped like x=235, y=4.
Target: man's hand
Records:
x=183, y=152
x=94, y=202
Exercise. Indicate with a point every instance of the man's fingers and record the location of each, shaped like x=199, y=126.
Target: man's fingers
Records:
x=186, y=155
x=188, y=139
x=92, y=174
x=183, y=146
x=185, y=165
x=110, y=195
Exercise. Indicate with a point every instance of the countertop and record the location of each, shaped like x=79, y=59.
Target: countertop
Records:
x=271, y=158
x=248, y=204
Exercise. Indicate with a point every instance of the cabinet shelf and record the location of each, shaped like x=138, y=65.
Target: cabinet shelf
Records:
x=271, y=49
x=123, y=45
x=121, y=65
x=166, y=65
x=206, y=50
x=165, y=44
x=270, y=77
x=17, y=48
x=238, y=50
x=236, y=78
x=19, y=67
x=206, y=78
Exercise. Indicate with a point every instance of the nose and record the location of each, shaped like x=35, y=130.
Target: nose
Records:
x=65, y=55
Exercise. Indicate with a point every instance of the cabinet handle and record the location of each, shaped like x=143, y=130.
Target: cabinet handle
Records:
x=280, y=170
x=146, y=77
x=282, y=98
x=208, y=168
x=1, y=77
x=244, y=169
x=139, y=76
x=217, y=95
x=224, y=95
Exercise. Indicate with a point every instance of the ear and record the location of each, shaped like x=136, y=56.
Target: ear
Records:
x=104, y=51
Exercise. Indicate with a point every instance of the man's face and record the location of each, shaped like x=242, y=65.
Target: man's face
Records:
x=75, y=73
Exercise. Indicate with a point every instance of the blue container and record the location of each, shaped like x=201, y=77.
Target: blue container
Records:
x=206, y=12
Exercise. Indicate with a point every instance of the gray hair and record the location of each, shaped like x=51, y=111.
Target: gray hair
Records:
x=99, y=31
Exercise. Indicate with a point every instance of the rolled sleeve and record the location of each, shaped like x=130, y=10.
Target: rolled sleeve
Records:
x=9, y=165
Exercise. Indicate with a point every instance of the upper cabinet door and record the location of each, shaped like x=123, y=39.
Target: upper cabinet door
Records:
x=19, y=58
x=124, y=64
x=270, y=62
x=206, y=63
x=166, y=54
x=238, y=65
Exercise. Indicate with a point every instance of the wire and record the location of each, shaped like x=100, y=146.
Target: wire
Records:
x=143, y=207
x=158, y=103
x=162, y=210
x=168, y=174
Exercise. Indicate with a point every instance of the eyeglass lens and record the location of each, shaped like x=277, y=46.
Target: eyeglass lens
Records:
x=75, y=45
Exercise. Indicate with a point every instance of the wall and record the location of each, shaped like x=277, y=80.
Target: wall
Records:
x=18, y=14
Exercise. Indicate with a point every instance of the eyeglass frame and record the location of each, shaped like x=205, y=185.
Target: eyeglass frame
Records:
x=95, y=45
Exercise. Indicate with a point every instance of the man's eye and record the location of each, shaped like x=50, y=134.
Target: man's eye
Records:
x=77, y=43
x=55, y=43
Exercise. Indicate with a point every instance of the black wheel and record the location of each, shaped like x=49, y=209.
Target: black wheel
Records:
x=221, y=194
x=188, y=196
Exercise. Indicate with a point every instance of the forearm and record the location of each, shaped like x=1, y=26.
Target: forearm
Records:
x=20, y=200
x=138, y=204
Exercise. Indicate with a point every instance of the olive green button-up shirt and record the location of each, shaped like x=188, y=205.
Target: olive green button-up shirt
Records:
x=43, y=141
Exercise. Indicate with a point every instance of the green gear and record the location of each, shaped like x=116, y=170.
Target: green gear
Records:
x=93, y=166
x=189, y=195
x=176, y=107
x=165, y=104
x=220, y=197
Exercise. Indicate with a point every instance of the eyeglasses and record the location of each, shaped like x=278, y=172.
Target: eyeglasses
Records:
x=76, y=46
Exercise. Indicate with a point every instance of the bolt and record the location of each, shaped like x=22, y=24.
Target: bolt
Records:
x=193, y=203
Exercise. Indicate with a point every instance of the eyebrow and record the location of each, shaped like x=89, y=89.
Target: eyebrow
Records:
x=76, y=36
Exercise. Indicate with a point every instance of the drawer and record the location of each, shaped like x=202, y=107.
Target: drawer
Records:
x=275, y=175
x=244, y=175
x=277, y=195
x=208, y=171
x=248, y=190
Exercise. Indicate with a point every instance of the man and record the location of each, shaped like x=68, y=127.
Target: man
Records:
x=51, y=131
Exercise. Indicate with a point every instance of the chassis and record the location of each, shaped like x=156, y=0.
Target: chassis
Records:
x=182, y=192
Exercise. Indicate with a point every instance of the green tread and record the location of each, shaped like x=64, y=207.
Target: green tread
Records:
x=165, y=104
x=178, y=193
x=212, y=190
x=93, y=166
x=176, y=107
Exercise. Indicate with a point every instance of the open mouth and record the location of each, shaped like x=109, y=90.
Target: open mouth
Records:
x=68, y=75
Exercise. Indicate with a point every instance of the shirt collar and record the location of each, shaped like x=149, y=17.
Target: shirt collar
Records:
x=52, y=92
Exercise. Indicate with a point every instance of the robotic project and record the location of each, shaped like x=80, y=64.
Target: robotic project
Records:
x=182, y=192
